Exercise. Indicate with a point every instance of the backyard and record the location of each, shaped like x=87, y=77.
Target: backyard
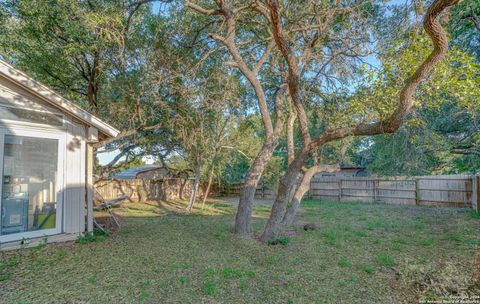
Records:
x=358, y=253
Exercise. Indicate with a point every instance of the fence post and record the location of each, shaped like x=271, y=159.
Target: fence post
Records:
x=475, y=192
x=417, y=192
x=309, y=195
x=263, y=189
x=340, y=190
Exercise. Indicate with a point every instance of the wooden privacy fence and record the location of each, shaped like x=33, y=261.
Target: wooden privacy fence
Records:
x=445, y=191
x=140, y=190
x=263, y=190
x=442, y=190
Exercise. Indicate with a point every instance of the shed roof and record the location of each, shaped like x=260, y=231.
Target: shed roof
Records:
x=353, y=167
x=132, y=173
x=55, y=99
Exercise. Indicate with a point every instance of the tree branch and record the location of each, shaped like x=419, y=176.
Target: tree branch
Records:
x=238, y=150
x=229, y=42
x=293, y=79
x=127, y=133
x=264, y=57
x=201, y=10
x=440, y=46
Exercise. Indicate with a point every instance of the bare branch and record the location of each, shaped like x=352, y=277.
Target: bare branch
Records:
x=231, y=64
x=264, y=57
x=238, y=150
x=202, y=10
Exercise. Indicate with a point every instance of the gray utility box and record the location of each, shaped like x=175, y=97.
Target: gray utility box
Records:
x=14, y=215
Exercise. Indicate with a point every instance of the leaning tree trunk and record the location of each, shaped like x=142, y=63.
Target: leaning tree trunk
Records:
x=247, y=193
x=93, y=84
x=274, y=225
x=302, y=189
x=207, y=191
x=193, y=195
x=291, y=145
x=182, y=187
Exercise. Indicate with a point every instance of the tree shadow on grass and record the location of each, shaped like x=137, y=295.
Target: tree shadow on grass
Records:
x=178, y=207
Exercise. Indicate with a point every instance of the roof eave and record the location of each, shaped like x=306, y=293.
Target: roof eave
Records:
x=56, y=99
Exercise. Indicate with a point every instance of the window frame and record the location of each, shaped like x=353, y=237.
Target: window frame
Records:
x=60, y=189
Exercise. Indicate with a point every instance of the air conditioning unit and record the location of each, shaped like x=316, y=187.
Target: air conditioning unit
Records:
x=14, y=215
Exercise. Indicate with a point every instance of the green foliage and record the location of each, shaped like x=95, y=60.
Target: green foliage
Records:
x=439, y=136
x=475, y=215
x=284, y=240
x=135, y=162
x=209, y=288
x=464, y=27
x=344, y=262
x=385, y=259
x=97, y=236
x=434, y=141
x=57, y=40
x=370, y=269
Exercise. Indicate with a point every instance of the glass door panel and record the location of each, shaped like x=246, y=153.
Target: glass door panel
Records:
x=30, y=180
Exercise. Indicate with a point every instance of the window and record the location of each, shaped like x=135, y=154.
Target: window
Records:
x=31, y=116
x=29, y=186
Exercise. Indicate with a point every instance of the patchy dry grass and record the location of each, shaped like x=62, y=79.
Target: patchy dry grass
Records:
x=359, y=253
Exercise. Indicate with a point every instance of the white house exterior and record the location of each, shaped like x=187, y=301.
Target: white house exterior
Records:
x=46, y=162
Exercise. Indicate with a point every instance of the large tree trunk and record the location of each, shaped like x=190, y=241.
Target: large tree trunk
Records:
x=182, y=187
x=291, y=145
x=290, y=139
x=193, y=195
x=93, y=84
x=247, y=193
x=207, y=191
x=274, y=225
x=304, y=186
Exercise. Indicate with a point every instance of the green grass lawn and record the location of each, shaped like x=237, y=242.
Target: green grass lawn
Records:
x=359, y=253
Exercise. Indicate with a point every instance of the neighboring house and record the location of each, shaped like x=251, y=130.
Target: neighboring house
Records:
x=149, y=172
x=346, y=172
x=46, y=162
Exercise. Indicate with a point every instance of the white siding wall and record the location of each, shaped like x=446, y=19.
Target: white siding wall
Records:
x=74, y=198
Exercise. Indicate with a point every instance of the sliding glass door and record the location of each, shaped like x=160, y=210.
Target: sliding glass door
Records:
x=32, y=175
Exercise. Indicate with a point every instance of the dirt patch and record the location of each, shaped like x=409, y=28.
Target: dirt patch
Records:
x=441, y=280
x=108, y=223
x=476, y=276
